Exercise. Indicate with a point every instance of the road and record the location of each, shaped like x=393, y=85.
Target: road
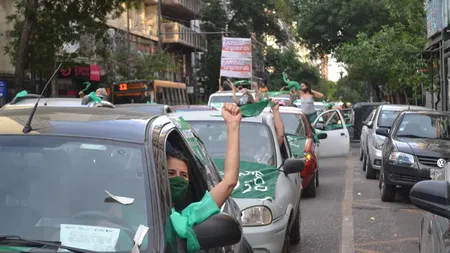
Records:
x=348, y=216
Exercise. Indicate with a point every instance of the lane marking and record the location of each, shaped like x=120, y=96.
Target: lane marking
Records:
x=372, y=243
x=347, y=216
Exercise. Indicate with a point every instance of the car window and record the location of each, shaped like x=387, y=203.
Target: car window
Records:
x=369, y=118
x=224, y=99
x=293, y=124
x=256, y=141
x=61, y=188
x=387, y=117
x=424, y=126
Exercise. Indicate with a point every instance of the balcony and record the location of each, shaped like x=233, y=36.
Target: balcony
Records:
x=185, y=9
x=178, y=34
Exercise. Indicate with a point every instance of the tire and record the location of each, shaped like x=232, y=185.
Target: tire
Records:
x=364, y=164
x=387, y=191
x=295, y=235
x=361, y=155
x=317, y=179
x=370, y=172
x=287, y=241
x=310, y=191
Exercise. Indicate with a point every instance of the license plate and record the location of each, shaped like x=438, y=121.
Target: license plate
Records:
x=436, y=174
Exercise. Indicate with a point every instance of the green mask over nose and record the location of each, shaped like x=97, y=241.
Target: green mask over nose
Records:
x=178, y=188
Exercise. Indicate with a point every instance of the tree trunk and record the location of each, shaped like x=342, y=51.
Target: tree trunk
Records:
x=22, y=50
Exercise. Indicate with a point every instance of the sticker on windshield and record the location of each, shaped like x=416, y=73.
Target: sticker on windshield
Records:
x=93, y=147
x=92, y=238
x=121, y=200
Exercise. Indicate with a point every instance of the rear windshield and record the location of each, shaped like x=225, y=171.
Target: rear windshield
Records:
x=224, y=99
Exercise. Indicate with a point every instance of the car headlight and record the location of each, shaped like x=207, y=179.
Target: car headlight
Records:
x=402, y=158
x=256, y=216
x=378, y=142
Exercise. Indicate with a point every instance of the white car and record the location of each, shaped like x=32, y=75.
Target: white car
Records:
x=337, y=142
x=217, y=99
x=269, y=198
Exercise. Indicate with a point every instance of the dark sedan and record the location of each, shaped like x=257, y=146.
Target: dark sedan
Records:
x=417, y=147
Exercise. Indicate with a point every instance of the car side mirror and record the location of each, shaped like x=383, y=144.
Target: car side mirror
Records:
x=383, y=132
x=432, y=196
x=322, y=136
x=293, y=165
x=219, y=230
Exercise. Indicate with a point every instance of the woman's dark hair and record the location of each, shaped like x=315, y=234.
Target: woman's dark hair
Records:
x=174, y=153
x=308, y=86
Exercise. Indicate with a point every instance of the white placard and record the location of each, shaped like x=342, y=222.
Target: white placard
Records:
x=89, y=237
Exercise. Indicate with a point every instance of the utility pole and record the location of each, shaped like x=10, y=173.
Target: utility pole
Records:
x=159, y=26
x=128, y=40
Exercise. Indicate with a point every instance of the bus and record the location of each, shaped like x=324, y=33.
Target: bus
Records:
x=149, y=91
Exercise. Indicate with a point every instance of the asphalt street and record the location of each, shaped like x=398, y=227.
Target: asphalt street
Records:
x=347, y=214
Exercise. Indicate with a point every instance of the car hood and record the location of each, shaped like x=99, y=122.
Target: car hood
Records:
x=424, y=147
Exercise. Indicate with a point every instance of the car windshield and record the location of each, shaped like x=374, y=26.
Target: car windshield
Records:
x=387, y=117
x=425, y=126
x=63, y=189
x=224, y=99
x=256, y=143
x=293, y=124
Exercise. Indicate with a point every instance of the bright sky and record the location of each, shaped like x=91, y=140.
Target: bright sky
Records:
x=334, y=68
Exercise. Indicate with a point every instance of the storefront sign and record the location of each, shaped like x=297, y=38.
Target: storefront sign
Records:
x=95, y=72
x=3, y=90
x=237, y=68
x=434, y=17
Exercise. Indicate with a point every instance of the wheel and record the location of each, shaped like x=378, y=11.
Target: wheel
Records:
x=364, y=165
x=317, y=179
x=310, y=191
x=287, y=241
x=295, y=231
x=370, y=172
x=361, y=154
x=387, y=191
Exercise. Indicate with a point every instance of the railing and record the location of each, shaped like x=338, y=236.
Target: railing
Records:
x=194, y=6
x=177, y=33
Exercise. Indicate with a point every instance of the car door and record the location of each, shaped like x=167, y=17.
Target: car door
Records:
x=365, y=129
x=338, y=141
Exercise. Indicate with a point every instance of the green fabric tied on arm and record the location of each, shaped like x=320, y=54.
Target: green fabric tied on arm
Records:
x=88, y=85
x=192, y=215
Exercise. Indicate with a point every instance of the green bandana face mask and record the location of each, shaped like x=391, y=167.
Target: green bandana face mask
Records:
x=178, y=188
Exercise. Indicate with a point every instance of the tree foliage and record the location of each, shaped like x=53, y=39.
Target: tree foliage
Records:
x=326, y=24
x=55, y=22
x=277, y=61
x=240, y=18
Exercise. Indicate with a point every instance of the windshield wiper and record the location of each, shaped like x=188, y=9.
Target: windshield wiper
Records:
x=411, y=136
x=17, y=240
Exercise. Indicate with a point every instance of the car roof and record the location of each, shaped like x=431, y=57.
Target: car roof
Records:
x=31, y=101
x=228, y=93
x=139, y=105
x=104, y=123
x=286, y=109
x=428, y=112
x=403, y=107
x=214, y=116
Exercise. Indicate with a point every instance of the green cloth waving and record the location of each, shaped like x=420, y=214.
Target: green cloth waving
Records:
x=242, y=82
x=291, y=84
x=192, y=215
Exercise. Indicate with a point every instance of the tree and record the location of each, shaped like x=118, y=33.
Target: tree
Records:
x=42, y=27
x=278, y=61
x=240, y=18
x=324, y=25
x=387, y=61
x=351, y=90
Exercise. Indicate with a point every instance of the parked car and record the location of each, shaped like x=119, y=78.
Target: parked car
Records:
x=87, y=172
x=432, y=197
x=302, y=145
x=30, y=100
x=269, y=197
x=416, y=148
x=384, y=117
x=363, y=138
x=337, y=142
x=362, y=110
x=149, y=108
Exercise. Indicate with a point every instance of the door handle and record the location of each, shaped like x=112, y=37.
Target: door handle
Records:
x=430, y=227
x=342, y=134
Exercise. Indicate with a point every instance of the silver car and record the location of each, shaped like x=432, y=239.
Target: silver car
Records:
x=269, y=198
x=384, y=117
x=30, y=101
x=363, y=138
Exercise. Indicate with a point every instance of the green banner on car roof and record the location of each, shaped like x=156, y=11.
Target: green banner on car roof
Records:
x=256, y=181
